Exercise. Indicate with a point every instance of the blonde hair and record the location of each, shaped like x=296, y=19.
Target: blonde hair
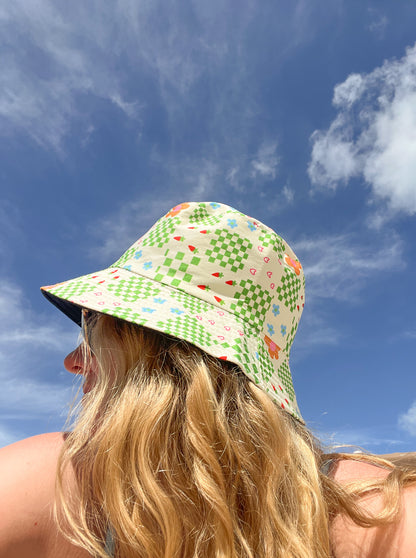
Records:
x=181, y=455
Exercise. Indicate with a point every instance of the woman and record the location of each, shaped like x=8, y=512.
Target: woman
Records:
x=189, y=441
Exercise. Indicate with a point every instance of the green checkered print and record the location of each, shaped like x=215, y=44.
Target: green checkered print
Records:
x=174, y=270
x=193, y=304
x=266, y=239
x=286, y=378
x=127, y=314
x=288, y=290
x=290, y=336
x=161, y=233
x=126, y=256
x=266, y=369
x=130, y=290
x=200, y=216
x=228, y=250
x=184, y=327
x=73, y=288
x=252, y=304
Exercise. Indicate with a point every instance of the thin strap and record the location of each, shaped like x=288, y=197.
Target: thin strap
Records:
x=109, y=543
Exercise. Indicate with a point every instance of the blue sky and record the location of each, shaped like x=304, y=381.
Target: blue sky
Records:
x=302, y=114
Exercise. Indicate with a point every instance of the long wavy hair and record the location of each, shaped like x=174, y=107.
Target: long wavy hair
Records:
x=180, y=455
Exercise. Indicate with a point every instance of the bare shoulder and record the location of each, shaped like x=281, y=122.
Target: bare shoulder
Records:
x=27, y=487
x=396, y=540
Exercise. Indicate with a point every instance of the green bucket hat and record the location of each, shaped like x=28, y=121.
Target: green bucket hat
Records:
x=212, y=276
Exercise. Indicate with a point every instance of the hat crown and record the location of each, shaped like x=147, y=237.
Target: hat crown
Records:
x=226, y=258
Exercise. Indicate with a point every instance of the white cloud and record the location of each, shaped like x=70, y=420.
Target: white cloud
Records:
x=125, y=225
x=373, y=136
x=410, y=334
x=407, y=420
x=288, y=193
x=28, y=343
x=266, y=161
x=20, y=327
x=350, y=439
x=378, y=22
x=338, y=266
x=69, y=57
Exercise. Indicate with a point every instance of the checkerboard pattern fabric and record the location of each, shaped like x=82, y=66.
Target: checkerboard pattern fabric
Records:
x=267, y=239
x=252, y=303
x=229, y=250
x=210, y=275
x=289, y=289
x=201, y=216
x=160, y=234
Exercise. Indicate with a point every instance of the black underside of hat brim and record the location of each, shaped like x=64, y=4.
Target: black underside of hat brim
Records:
x=70, y=309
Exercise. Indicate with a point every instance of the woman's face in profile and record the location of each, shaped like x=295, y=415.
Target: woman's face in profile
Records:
x=76, y=363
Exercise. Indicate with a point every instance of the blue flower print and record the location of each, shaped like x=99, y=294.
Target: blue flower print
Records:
x=147, y=265
x=232, y=223
x=128, y=267
x=138, y=255
x=276, y=309
x=159, y=300
x=214, y=205
x=270, y=329
x=251, y=226
x=176, y=311
x=283, y=330
x=149, y=310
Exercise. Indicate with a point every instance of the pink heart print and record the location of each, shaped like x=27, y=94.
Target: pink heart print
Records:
x=266, y=259
x=260, y=248
x=269, y=274
x=253, y=271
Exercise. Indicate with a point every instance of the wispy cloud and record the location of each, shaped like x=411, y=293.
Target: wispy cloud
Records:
x=27, y=343
x=195, y=178
x=266, y=161
x=410, y=334
x=378, y=22
x=369, y=439
x=373, y=136
x=338, y=266
x=19, y=327
x=407, y=420
x=125, y=225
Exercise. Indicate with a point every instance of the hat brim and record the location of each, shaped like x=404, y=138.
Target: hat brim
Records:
x=124, y=294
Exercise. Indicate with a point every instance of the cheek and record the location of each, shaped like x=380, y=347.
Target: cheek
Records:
x=90, y=380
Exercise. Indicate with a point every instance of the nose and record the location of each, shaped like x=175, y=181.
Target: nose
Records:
x=74, y=361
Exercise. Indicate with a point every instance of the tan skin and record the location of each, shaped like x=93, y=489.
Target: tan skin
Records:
x=27, y=489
